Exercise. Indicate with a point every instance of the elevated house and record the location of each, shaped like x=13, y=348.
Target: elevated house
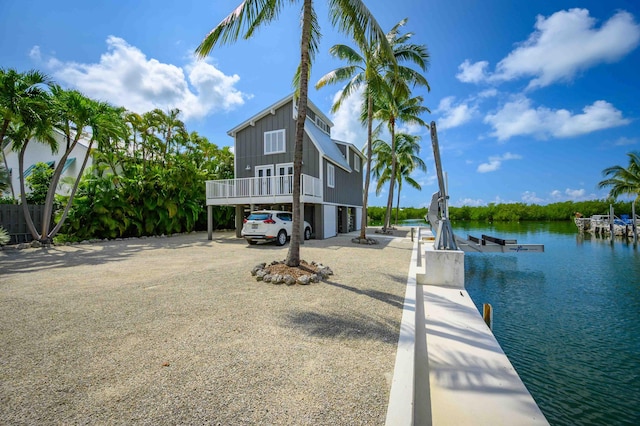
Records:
x=332, y=172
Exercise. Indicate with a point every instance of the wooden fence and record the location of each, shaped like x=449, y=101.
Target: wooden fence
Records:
x=12, y=219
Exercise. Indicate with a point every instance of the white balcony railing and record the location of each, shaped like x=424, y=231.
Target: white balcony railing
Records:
x=263, y=188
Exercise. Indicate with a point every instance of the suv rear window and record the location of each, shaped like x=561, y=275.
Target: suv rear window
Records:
x=259, y=216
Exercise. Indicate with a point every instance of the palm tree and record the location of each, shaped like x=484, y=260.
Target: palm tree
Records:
x=169, y=127
x=407, y=154
x=106, y=125
x=363, y=70
x=72, y=114
x=394, y=105
x=366, y=69
x=21, y=94
x=22, y=130
x=623, y=181
x=350, y=16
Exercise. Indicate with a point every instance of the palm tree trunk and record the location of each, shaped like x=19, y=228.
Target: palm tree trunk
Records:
x=57, y=227
x=3, y=131
x=398, y=204
x=367, y=178
x=392, y=179
x=23, y=193
x=49, y=200
x=293, y=256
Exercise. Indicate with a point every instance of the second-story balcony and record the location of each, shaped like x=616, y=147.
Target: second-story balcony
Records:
x=262, y=190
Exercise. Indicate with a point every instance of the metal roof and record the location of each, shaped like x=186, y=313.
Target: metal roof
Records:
x=327, y=147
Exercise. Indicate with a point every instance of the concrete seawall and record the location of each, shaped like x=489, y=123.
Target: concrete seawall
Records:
x=450, y=369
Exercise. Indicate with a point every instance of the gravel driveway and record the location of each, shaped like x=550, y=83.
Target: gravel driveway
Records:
x=176, y=331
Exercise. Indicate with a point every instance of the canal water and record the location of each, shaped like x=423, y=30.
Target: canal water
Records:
x=568, y=318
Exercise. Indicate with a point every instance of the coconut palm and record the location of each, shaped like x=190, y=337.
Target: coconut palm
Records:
x=22, y=131
x=21, y=94
x=365, y=69
x=106, y=125
x=350, y=16
x=394, y=105
x=168, y=127
x=407, y=153
x=623, y=181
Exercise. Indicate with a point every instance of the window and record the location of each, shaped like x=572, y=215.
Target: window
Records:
x=274, y=142
x=322, y=125
x=356, y=162
x=259, y=216
x=331, y=176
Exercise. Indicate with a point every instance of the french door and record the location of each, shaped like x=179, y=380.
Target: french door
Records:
x=264, y=175
x=284, y=174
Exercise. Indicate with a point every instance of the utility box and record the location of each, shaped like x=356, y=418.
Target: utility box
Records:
x=443, y=268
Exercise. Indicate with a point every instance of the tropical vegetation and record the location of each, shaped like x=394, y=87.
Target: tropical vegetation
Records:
x=148, y=171
x=407, y=150
x=623, y=181
x=511, y=212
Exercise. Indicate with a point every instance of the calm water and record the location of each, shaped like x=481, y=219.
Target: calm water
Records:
x=568, y=319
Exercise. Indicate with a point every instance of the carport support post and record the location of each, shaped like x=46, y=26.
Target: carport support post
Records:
x=239, y=220
x=302, y=222
x=210, y=222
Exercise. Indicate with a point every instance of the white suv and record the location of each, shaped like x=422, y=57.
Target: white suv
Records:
x=271, y=225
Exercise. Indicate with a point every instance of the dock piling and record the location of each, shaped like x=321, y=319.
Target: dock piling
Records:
x=487, y=314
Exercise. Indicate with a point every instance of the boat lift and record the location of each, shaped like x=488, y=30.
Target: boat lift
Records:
x=438, y=217
x=488, y=244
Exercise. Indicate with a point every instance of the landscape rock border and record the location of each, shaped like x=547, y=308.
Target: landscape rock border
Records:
x=366, y=241
x=320, y=273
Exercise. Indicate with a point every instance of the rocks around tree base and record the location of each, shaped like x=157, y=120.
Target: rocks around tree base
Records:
x=279, y=273
x=366, y=241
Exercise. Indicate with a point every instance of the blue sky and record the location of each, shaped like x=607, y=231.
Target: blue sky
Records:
x=532, y=100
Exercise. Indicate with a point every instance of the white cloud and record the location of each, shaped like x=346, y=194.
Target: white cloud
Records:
x=454, y=115
x=567, y=43
x=488, y=93
x=125, y=77
x=518, y=117
x=346, y=120
x=570, y=195
x=35, y=54
x=531, y=197
x=624, y=141
x=574, y=194
x=496, y=161
x=472, y=73
x=469, y=202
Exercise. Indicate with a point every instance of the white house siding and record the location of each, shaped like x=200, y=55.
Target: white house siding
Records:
x=330, y=220
x=39, y=153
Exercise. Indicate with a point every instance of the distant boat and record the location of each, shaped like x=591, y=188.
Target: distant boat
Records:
x=601, y=224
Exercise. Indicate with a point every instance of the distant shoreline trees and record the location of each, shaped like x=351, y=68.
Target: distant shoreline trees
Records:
x=512, y=212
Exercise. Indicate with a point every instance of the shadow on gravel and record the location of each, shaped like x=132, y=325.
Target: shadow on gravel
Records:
x=338, y=326
x=98, y=253
x=50, y=258
x=391, y=299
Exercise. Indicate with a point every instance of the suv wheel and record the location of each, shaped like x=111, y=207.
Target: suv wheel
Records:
x=282, y=238
x=307, y=233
